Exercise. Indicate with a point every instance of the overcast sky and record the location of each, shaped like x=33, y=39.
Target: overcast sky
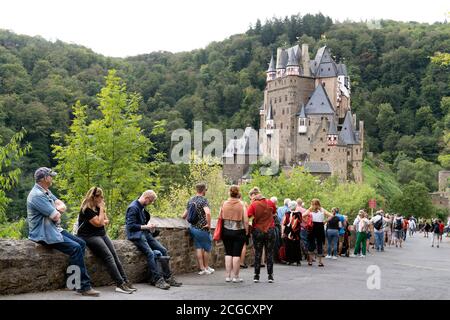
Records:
x=122, y=28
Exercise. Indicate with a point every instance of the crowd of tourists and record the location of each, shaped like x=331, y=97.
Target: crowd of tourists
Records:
x=286, y=234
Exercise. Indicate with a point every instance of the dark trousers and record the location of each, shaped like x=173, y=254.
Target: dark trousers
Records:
x=153, y=249
x=102, y=247
x=264, y=240
x=293, y=250
x=74, y=248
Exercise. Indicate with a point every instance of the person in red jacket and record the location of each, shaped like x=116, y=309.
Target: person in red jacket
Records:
x=441, y=230
x=262, y=211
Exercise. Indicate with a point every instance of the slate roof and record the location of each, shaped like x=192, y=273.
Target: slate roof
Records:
x=292, y=61
x=342, y=70
x=319, y=102
x=282, y=59
x=302, y=114
x=332, y=128
x=323, y=65
x=317, y=167
x=347, y=134
x=271, y=65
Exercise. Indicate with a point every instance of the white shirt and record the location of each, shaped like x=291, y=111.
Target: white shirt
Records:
x=375, y=219
x=318, y=216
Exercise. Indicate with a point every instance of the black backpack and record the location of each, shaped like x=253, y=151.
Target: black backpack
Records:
x=192, y=216
x=398, y=224
x=379, y=224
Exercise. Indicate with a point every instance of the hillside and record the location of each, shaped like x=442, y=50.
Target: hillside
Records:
x=396, y=89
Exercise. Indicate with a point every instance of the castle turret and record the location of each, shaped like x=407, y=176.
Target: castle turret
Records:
x=302, y=128
x=271, y=72
x=293, y=68
x=332, y=135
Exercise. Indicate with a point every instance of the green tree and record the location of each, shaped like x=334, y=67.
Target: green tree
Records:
x=415, y=200
x=109, y=152
x=10, y=154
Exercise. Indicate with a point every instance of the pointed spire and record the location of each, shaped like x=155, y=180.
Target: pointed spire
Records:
x=302, y=114
x=332, y=130
x=271, y=65
x=319, y=103
x=292, y=61
x=347, y=134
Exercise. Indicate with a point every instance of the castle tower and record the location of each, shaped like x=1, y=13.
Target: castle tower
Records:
x=292, y=67
x=302, y=125
x=271, y=72
x=282, y=58
x=332, y=136
x=305, y=60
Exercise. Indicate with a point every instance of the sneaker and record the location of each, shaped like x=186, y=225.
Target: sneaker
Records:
x=327, y=257
x=437, y=246
x=90, y=293
x=362, y=256
x=353, y=256
x=130, y=286
x=236, y=280
x=204, y=271
x=270, y=278
x=256, y=278
x=244, y=266
x=334, y=257
x=173, y=282
x=228, y=279
x=123, y=289
x=211, y=270
x=161, y=284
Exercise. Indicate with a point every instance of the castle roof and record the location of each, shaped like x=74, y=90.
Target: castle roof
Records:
x=302, y=114
x=347, y=134
x=332, y=129
x=282, y=58
x=292, y=61
x=342, y=70
x=271, y=65
x=319, y=102
x=317, y=167
x=323, y=65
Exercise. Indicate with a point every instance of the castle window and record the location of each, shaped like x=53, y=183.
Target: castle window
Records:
x=309, y=122
x=279, y=99
x=348, y=153
x=282, y=111
x=321, y=159
x=302, y=122
x=275, y=126
x=321, y=139
x=309, y=138
x=328, y=149
x=281, y=125
x=315, y=149
x=323, y=130
x=285, y=98
x=356, y=151
x=323, y=150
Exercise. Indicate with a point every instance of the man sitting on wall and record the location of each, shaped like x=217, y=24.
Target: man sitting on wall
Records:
x=139, y=229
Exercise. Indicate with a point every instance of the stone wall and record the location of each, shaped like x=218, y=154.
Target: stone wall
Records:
x=26, y=266
x=29, y=267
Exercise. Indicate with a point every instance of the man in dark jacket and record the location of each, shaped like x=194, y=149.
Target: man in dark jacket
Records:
x=139, y=231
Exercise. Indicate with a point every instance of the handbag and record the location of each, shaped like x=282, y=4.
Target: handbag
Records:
x=218, y=231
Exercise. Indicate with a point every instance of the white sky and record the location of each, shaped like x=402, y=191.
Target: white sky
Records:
x=123, y=28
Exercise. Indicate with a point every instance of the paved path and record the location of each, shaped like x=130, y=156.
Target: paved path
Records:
x=416, y=271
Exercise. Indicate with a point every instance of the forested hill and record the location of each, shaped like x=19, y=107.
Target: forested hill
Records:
x=396, y=89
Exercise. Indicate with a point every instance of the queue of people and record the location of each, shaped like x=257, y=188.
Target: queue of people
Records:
x=288, y=234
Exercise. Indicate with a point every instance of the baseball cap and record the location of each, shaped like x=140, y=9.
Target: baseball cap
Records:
x=43, y=172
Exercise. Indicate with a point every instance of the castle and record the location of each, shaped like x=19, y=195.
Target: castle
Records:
x=307, y=117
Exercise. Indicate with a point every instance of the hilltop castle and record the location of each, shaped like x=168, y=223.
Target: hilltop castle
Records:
x=308, y=101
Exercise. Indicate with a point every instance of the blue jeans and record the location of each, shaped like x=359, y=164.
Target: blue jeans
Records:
x=379, y=240
x=74, y=248
x=333, y=239
x=152, y=249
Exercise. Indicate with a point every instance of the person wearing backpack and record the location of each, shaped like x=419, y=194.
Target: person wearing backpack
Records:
x=436, y=232
x=398, y=230
x=198, y=214
x=378, y=226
